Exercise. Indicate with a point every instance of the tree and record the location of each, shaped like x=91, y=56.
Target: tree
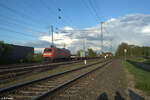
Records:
x=91, y=53
x=132, y=50
x=120, y=50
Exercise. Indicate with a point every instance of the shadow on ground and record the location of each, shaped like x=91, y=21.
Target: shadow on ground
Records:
x=133, y=96
x=104, y=96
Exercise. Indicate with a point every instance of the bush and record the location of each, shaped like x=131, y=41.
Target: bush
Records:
x=38, y=58
x=29, y=58
x=32, y=58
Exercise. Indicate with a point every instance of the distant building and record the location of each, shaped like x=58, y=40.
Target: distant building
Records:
x=83, y=53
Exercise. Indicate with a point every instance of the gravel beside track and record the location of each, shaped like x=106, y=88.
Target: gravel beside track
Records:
x=107, y=83
x=37, y=88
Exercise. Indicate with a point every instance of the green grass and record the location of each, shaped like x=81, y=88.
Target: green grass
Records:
x=141, y=59
x=142, y=77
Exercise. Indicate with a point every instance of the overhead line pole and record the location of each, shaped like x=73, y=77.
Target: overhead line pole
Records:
x=52, y=35
x=102, y=38
x=84, y=45
x=111, y=45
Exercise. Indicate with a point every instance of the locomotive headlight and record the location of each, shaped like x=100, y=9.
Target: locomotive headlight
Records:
x=47, y=54
x=44, y=54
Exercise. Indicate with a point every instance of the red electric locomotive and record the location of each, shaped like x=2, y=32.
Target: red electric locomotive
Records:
x=54, y=53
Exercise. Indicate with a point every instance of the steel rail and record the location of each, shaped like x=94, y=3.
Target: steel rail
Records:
x=67, y=83
x=35, y=66
x=40, y=79
x=8, y=74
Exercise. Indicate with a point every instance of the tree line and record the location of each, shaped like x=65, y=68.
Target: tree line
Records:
x=132, y=50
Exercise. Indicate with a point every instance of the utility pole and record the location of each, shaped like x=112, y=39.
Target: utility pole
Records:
x=52, y=35
x=64, y=45
x=101, y=38
x=111, y=45
x=84, y=45
x=84, y=51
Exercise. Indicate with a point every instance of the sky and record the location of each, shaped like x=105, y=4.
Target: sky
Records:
x=27, y=23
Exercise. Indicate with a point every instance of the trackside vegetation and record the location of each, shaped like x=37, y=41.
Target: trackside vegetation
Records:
x=136, y=54
x=142, y=77
x=32, y=58
x=132, y=51
x=141, y=60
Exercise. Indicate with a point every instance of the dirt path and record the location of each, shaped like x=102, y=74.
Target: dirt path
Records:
x=109, y=83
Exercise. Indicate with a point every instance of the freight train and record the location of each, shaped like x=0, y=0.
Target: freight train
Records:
x=54, y=53
x=17, y=53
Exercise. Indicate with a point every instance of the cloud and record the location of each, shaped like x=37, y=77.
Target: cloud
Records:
x=133, y=29
x=37, y=44
x=67, y=28
x=38, y=50
x=146, y=30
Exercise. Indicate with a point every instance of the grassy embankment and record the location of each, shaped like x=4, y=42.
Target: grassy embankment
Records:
x=142, y=77
x=141, y=59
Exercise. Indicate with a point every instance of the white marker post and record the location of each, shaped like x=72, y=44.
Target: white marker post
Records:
x=85, y=61
x=125, y=51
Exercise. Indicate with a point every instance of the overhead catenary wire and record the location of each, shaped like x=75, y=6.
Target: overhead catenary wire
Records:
x=16, y=38
x=110, y=40
x=90, y=10
x=14, y=21
x=53, y=13
x=6, y=22
x=66, y=18
x=19, y=13
x=94, y=4
x=20, y=33
x=9, y=24
x=94, y=9
x=8, y=18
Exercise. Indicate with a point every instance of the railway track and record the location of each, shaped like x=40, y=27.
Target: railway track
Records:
x=39, y=88
x=6, y=74
x=12, y=73
x=12, y=66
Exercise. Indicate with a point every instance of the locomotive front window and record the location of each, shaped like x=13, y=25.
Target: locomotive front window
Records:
x=47, y=50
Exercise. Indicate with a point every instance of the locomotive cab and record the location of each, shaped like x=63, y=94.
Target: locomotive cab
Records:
x=48, y=54
x=54, y=53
